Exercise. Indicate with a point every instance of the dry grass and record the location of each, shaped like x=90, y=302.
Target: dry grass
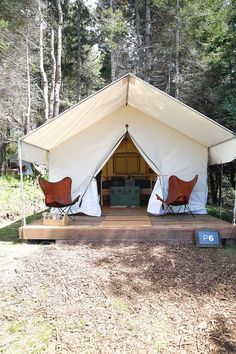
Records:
x=137, y=298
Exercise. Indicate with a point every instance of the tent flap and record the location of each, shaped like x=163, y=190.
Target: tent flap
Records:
x=223, y=153
x=34, y=154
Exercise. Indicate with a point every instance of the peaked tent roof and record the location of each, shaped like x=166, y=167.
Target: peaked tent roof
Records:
x=130, y=90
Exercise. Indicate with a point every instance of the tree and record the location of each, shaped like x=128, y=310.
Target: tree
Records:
x=113, y=39
x=79, y=73
x=147, y=61
x=20, y=99
x=58, y=59
x=42, y=25
x=183, y=47
x=52, y=103
x=81, y=59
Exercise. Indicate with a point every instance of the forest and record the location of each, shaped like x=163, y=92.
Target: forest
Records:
x=123, y=296
x=54, y=53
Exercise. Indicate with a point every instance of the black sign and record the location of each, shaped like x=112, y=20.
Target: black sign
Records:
x=207, y=238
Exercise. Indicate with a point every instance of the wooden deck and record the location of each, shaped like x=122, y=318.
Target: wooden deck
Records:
x=132, y=225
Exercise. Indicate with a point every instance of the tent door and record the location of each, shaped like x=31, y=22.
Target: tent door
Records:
x=126, y=180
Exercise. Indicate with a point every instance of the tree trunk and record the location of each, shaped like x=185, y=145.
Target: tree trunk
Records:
x=58, y=62
x=168, y=80
x=232, y=173
x=51, y=105
x=3, y=152
x=78, y=51
x=147, y=59
x=113, y=56
x=3, y=159
x=215, y=180
x=170, y=67
x=139, y=40
x=41, y=58
x=27, y=125
x=113, y=65
x=213, y=185
x=220, y=174
x=177, y=78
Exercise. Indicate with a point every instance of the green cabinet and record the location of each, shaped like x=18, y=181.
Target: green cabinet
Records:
x=127, y=196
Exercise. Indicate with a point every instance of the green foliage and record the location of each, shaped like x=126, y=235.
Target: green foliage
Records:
x=119, y=305
x=3, y=39
x=113, y=31
x=113, y=26
x=16, y=12
x=29, y=336
x=207, y=48
x=91, y=58
x=11, y=205
x=211, y=30
x=224, y=214
x=10, y=197
x=10, y=233
x=161, y=3
x=91, y=70
x=229, y=106
x=231, y=250
x=3, y=24
x=16, y=327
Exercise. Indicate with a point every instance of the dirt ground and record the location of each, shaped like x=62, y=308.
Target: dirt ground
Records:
x=125, y=298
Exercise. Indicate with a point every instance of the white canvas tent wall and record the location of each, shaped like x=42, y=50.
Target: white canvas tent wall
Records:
x=172, y=138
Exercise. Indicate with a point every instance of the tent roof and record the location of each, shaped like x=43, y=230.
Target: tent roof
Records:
x=130, y=90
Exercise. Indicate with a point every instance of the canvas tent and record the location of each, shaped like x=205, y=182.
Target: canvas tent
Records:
x=173, y=138
x=27, y=169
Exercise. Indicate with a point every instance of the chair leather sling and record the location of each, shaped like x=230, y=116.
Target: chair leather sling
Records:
x=179, y=192
x=58, y=194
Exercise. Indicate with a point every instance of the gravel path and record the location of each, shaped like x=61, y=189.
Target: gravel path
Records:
x=126, y=298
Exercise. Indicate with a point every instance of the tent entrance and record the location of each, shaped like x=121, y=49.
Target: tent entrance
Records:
x=126, y=180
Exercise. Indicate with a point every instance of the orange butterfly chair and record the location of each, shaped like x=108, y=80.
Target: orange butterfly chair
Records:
x=179, y=192
x=58, y=194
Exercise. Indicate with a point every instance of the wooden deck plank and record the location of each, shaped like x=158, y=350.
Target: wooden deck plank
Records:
x=127, y=217
x=132, y=225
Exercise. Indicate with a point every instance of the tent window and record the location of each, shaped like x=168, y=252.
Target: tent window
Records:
x=126, y=163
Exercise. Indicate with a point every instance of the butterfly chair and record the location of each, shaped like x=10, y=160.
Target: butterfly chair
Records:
x=179, y=192
x=58, y=194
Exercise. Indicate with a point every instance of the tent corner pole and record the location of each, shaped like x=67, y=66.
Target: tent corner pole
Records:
x=234, y=210
x=221, y=180
x=21, y=185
